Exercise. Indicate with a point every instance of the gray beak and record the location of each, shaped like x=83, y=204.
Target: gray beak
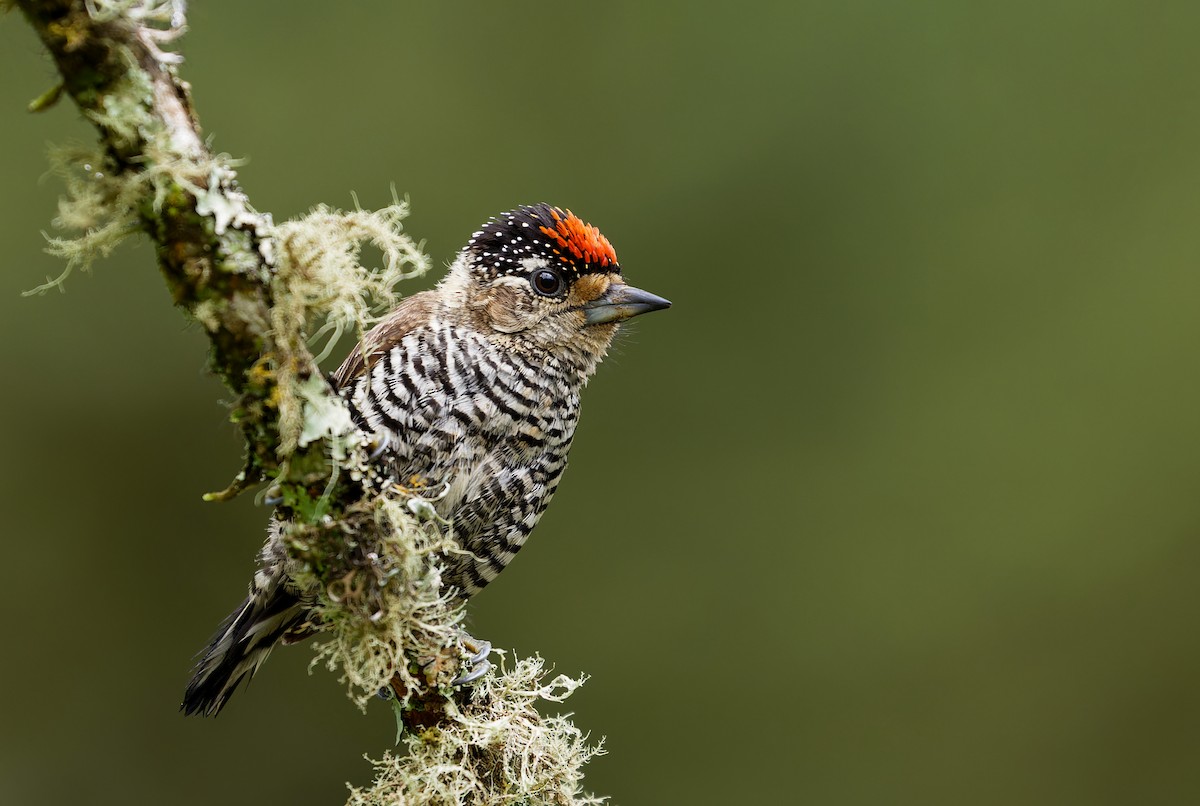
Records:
x=620, y=302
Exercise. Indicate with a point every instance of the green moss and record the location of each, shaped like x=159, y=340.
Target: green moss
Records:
x=306, y=505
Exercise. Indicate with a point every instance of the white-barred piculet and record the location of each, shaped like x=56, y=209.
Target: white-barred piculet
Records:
x=475, y=385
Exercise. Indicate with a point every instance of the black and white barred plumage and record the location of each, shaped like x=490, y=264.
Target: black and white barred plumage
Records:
x=493, y=426
x=473, y=387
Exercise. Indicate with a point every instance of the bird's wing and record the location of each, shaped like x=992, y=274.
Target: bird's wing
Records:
x=412, y=312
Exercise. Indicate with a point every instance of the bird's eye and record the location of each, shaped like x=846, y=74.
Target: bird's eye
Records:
x=547, y=282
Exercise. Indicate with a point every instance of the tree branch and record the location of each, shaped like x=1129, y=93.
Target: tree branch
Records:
x=214, y=250
x=364, y=554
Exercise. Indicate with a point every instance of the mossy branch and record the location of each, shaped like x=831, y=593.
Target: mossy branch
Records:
x=154, y=172
x=263, y=291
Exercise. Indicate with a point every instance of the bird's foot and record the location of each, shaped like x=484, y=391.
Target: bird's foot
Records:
x=421, y=497
x=380, y=442
x=473, y=666
x=477, y=664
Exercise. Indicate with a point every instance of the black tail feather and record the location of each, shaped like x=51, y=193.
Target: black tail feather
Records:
x=239, y=647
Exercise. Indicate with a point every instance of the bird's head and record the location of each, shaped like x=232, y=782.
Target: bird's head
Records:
x=538, y=278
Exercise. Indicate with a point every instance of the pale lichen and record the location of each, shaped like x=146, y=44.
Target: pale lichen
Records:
x=101, y=204
x=377, y=580
x=322, y=289
x=326, y=418
x=125, y=110
x=155, y=22
x=496, y=750
x=320, y=267
x=157, y=14
x=105, y=205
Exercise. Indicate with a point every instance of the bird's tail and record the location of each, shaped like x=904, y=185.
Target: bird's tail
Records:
x=242, y=642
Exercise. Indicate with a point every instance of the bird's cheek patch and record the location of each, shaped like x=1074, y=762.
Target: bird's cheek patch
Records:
x=507, y=310
x=589, y=287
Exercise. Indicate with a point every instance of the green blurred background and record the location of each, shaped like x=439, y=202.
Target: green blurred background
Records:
x=897, y=505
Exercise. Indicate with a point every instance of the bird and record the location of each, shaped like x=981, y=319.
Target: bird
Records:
x=473, y=385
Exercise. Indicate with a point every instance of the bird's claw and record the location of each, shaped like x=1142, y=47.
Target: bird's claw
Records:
x=478, y=671
x=477, y=664
x=485, y=649
x=378, y=445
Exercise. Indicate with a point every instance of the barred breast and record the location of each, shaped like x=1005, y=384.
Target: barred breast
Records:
x=494, y=427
